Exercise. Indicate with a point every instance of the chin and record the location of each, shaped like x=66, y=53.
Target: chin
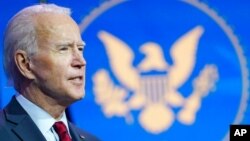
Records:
x=78, y=95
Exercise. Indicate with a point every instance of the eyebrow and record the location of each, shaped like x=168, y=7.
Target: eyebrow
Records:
x=82, y=43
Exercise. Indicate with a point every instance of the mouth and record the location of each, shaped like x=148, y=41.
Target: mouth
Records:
x=77, y=80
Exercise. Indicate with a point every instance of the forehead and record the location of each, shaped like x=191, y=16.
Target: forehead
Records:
x=50, y=26
x=47, y=18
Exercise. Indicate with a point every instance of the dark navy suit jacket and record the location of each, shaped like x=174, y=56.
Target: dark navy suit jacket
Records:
x=16, y=125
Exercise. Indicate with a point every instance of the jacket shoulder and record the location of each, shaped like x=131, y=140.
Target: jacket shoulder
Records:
x=5, y=134
x=86, y=135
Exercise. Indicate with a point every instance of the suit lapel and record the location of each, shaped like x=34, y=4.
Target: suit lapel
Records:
x=23, y=127
x=76, y=136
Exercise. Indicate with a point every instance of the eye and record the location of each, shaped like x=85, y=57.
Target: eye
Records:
x=63, y=48
x=80, y=48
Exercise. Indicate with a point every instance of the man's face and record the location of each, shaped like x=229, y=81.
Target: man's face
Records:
x=58, y=65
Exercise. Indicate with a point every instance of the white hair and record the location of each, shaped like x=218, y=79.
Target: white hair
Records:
x=20, y=34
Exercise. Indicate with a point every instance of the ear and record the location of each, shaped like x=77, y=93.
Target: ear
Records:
x=23, y=64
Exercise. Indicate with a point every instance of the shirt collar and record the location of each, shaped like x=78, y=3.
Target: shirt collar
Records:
x=41, y=118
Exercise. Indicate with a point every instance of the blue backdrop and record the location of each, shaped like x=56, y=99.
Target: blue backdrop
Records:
x=158, y=70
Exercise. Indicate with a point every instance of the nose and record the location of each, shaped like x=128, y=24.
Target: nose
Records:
x=78, y=59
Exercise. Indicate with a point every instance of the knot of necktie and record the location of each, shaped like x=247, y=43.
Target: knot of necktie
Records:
x=62, y=131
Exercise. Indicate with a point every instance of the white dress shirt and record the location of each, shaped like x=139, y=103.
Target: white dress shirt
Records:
x=41, y=118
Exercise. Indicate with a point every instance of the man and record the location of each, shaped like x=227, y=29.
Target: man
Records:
x=43, y=56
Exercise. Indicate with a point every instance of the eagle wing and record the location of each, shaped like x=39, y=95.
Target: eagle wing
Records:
x=183, y=53
x=121, y=58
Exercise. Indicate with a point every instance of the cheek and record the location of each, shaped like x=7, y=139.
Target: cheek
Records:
x=43, y=67
x=51, y=68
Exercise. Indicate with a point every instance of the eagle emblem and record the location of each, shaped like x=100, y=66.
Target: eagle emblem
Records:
x=153, y=95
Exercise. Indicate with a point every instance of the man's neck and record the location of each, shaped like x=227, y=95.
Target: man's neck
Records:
x=45, y=102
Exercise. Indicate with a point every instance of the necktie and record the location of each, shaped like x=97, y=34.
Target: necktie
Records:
x=62, y=131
